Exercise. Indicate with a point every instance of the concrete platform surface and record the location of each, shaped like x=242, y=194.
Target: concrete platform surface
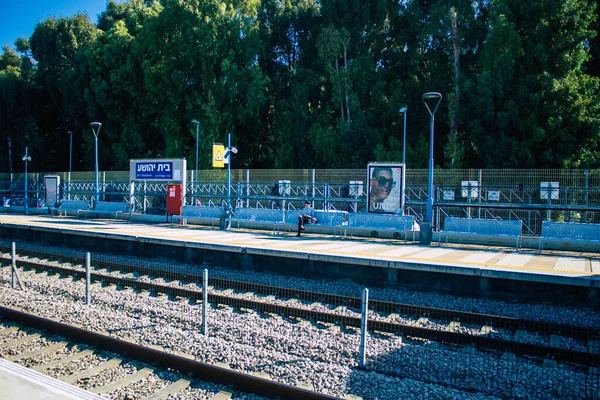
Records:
x=576, y=268
x=20, y=383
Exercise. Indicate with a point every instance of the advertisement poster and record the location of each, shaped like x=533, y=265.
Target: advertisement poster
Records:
x=386, y=188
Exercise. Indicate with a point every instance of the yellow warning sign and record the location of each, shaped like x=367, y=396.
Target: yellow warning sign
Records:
x=218, y=156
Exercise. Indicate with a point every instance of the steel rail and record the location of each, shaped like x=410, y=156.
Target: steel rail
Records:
x=238, y=380
x=500, y=322
x=483, y=342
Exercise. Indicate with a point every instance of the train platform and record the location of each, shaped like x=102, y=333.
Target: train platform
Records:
x=497, y=261
x=368, y=259
x=20, y=383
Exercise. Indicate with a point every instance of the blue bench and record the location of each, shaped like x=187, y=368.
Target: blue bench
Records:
x=373, y=224
x=488, y=229
x=327, y=221
x=258, y=218
x=75, y=206
x=570, y=233
x=109, y=208
x=199, y=215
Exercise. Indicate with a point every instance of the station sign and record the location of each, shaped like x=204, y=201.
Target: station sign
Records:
x=157, y=170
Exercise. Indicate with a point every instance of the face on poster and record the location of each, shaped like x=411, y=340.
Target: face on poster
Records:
x=385, y=188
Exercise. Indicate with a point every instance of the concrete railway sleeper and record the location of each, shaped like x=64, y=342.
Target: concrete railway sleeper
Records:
x=116, y=368
x=447, y=334
x=416, y=311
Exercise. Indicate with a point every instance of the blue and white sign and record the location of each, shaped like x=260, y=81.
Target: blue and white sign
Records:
x=157, y=170
x=154, y=170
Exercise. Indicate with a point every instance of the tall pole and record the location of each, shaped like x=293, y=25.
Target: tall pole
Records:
x=25, y=158
x=438, y=97
x=96, y=171
x=403, y=110
x=195, y=121
x=430, y=179
x=96, y=130
x=70, y=164
x=229, y=173
x=70, y=151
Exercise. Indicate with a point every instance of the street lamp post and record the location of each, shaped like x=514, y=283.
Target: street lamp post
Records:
x=403, y=110
x=25, y=158
x=70, y=163
x=195, y=121
x=433, y=96
x=230, y=150
x=96, y=130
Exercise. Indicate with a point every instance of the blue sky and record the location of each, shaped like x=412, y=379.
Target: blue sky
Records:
x=19, y=17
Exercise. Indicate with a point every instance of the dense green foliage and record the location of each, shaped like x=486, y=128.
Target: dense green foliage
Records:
x=308, y=84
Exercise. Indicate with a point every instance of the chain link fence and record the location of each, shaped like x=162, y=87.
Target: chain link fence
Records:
x=529, y=195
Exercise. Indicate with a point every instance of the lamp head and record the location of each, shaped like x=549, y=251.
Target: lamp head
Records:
x=195, y=121
x=432, y=96
x=403, y=109
x=26, y=158
x=95, y=128
x=69, y=132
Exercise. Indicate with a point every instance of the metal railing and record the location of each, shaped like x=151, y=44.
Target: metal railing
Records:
x=530, y=195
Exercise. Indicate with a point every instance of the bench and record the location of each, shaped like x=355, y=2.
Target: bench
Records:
x=327, y=221
x=488, y=229
x=373, y=224
x=569, y=233
x=73, y=205
x=199, y=215
x=259, y=218
x=109, y=208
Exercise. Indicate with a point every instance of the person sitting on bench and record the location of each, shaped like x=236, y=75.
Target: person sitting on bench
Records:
x=307, y=216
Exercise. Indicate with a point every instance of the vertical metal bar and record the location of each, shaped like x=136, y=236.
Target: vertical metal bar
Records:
x=363, y=327
x=25, y=201
x=587, y=187
x=131, y=198
x=248, y=188
x=15, y=276
x=96, y=168
x=13, y=264
x=205, y=301
x=145, y=198
x=228, y=208
x=88, y=275
x=429, y=214
x=480, y=192
x=314, y=182
x=549, y=200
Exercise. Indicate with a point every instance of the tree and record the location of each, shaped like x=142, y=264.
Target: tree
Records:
x=57, y=46
x=17, y=122
x=533, y=105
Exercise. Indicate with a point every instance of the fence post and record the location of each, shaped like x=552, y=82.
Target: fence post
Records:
x=363, y=327
x=87, y=279
x=248, y=188
x=13, y=258
x=204, y=301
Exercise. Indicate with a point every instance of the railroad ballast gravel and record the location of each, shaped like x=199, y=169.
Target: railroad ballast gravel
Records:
x=295, y=352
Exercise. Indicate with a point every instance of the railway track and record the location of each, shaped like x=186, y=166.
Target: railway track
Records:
x=119, y=369
x=344, y=314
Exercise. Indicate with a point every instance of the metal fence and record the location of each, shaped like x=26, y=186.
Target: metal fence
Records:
x=529, y=195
